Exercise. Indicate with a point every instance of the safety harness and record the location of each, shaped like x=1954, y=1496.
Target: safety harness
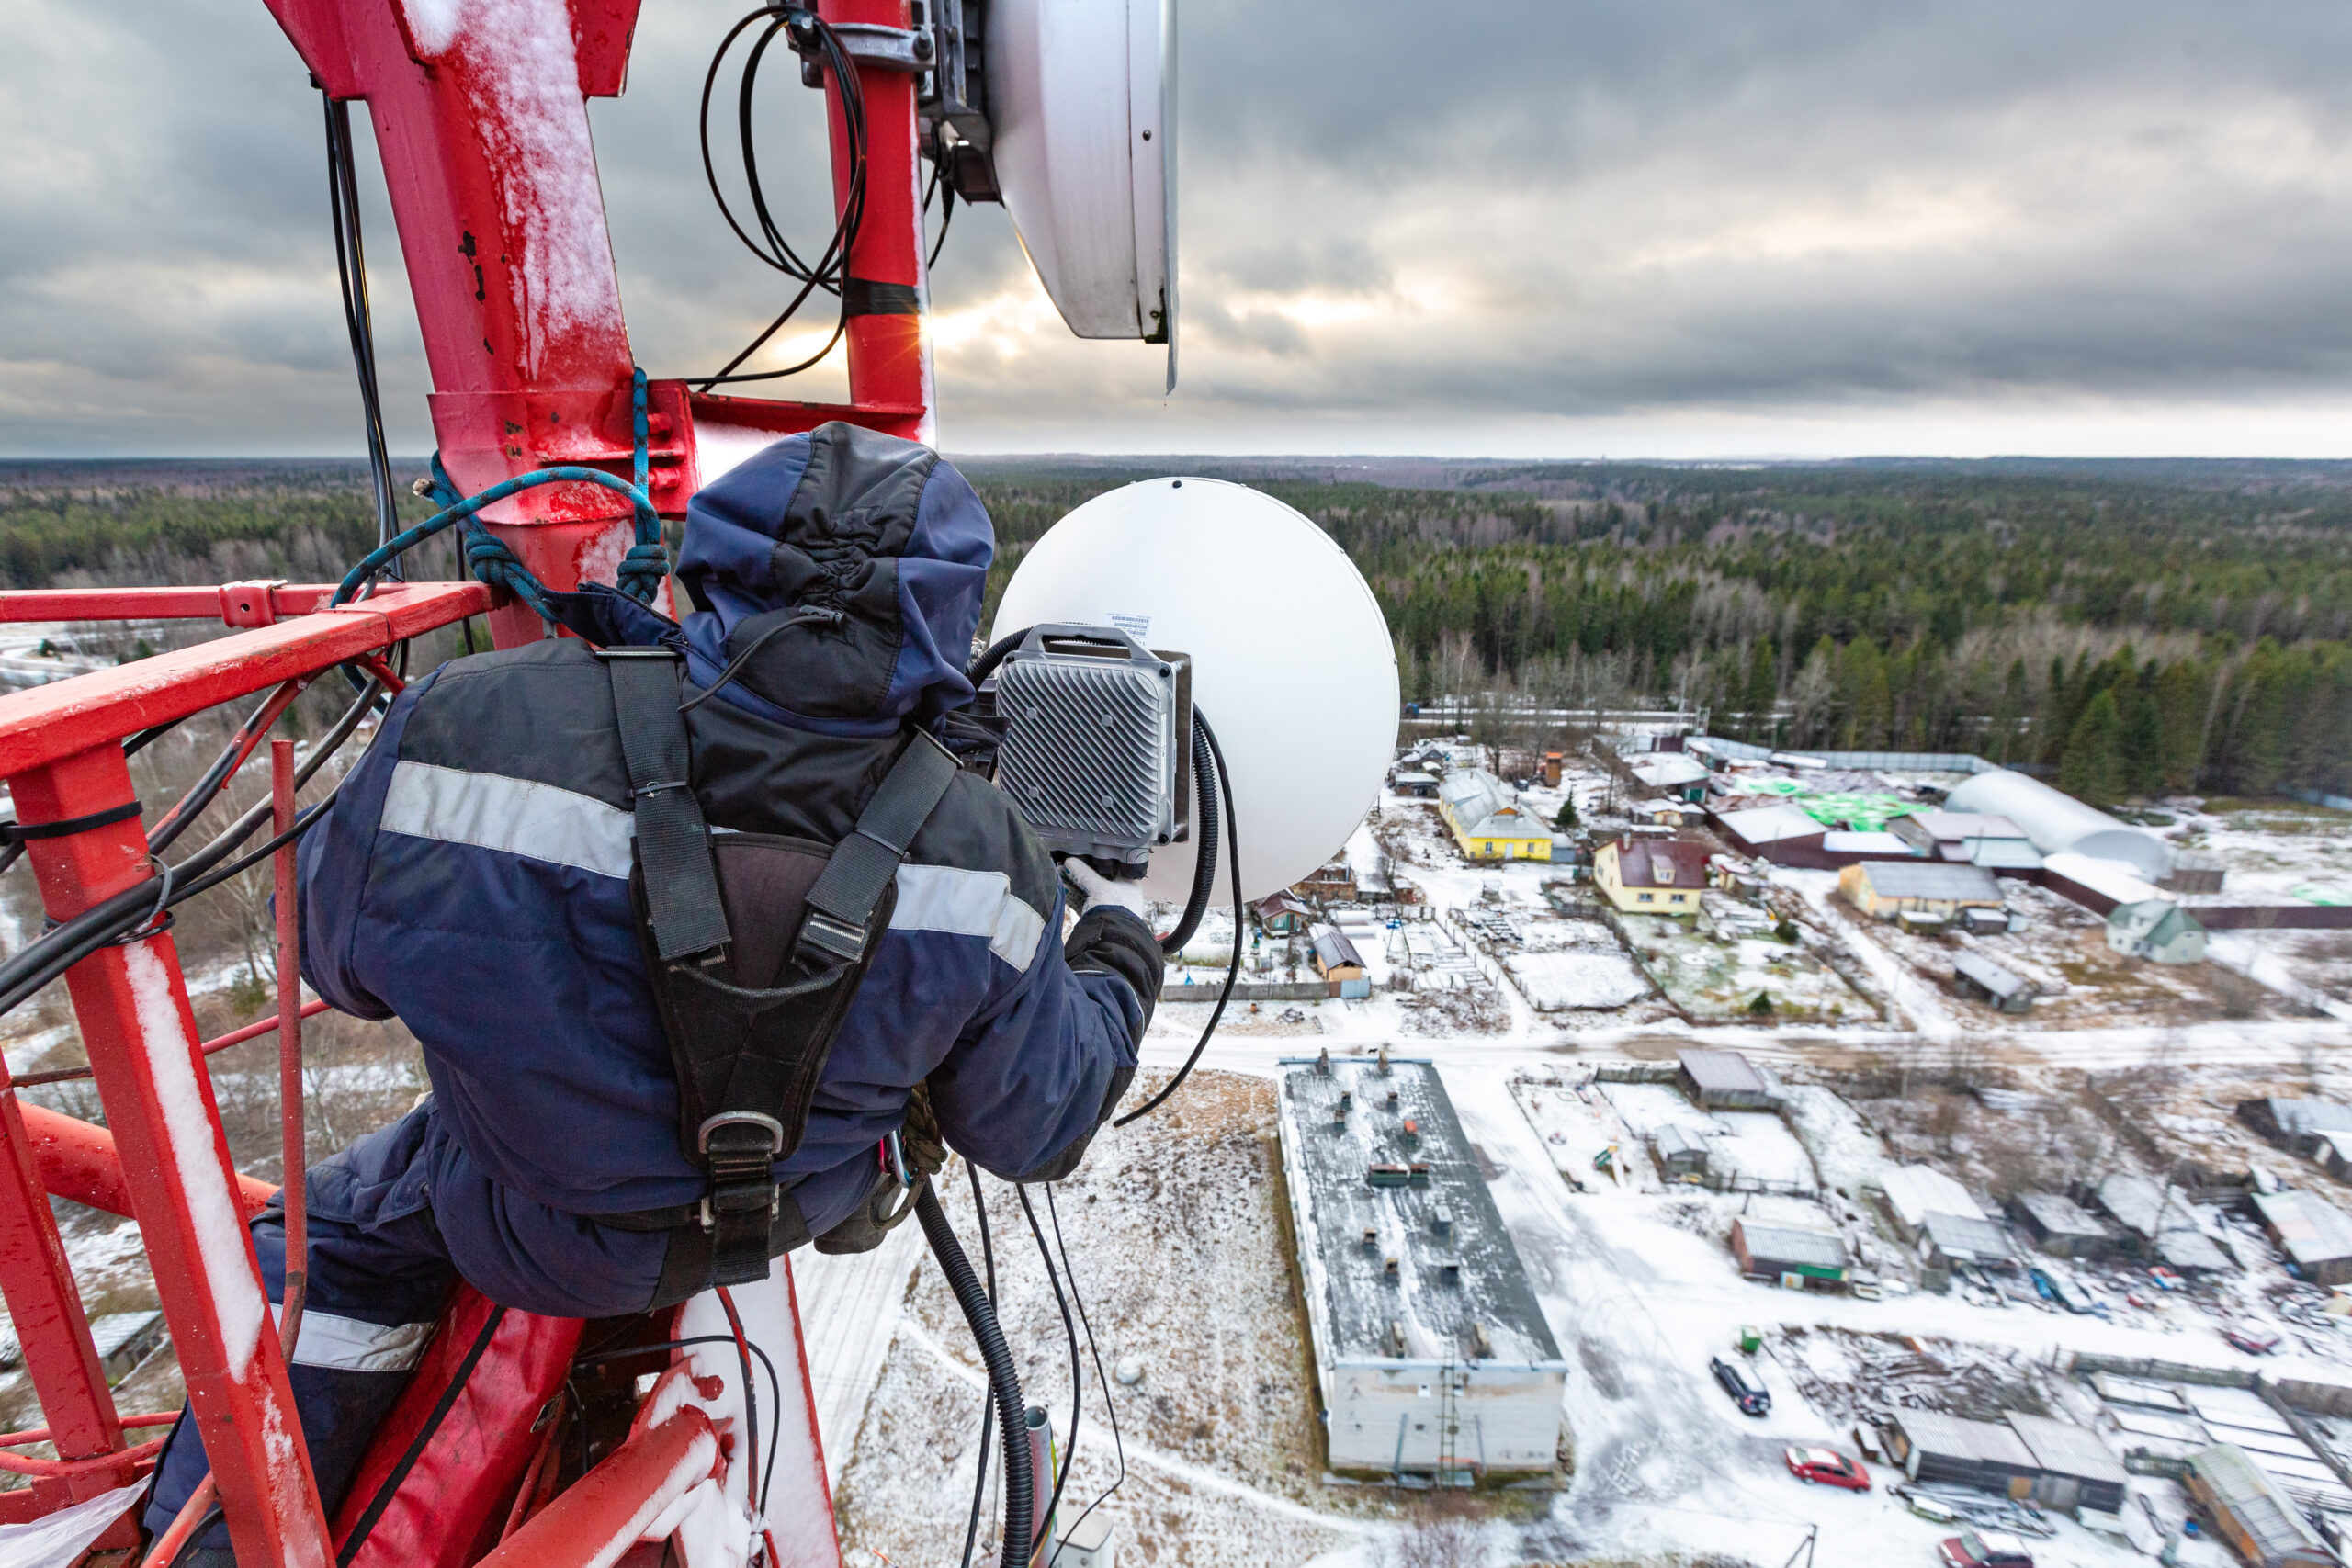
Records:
x=756, y=944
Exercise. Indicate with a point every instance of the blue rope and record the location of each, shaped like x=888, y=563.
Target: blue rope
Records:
x=641, y=569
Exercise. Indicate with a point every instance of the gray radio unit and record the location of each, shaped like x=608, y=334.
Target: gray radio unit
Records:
x=1097, y=752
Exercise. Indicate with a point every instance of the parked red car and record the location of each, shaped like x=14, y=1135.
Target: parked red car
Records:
x=2253, y=1341
x=1984, y=1549
x=1826, y=1467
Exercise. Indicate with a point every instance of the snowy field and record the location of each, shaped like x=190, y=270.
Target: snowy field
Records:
x=1577, y=978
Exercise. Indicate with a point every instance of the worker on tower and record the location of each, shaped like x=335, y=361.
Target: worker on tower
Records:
x=668, y=1028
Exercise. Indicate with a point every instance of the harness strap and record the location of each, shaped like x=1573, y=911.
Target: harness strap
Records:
x=672, y=841
x=841, y=904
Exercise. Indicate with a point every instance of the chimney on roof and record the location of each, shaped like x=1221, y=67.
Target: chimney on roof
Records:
x=1393, y=1340
x=1450, y=1272
x=1441, y=1220
x=1392, y=1101
x=1371, y=1239
x=1412, y=1134
x=1323, y=1062
x=1481, y=1347
x=1390, y=1269
x=1383, y=1059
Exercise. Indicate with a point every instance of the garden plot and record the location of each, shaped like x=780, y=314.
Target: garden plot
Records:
x=1721, y=981
x=1742, y=1147
x=1573, y=963
x=1577, y=978
x=1578, y=1128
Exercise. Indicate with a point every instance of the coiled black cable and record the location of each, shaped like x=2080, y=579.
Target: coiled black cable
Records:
x=1020, y=1481
x=829, y=272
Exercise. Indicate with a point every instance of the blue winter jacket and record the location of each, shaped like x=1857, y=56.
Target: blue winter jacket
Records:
x=473, y=876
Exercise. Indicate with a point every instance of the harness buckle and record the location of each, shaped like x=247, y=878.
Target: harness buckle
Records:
x=735, y=1149
x=742, y=1181
x=839, y=938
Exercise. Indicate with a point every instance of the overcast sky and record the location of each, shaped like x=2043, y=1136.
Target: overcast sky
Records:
x=1677, y=228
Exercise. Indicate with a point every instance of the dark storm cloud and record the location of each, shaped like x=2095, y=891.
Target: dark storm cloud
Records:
x=1403, y=225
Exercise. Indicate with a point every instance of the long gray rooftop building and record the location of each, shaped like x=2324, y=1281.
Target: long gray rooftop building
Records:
x=1432, y=1352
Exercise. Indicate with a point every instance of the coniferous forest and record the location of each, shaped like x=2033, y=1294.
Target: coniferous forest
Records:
x=2142, y=629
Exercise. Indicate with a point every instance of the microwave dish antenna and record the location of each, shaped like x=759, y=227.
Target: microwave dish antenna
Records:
x=1067, y=114
x=1291, y=657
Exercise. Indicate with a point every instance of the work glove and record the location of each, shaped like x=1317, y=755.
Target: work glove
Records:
x=1097, y=891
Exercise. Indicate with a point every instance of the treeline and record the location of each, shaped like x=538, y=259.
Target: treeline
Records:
x=2143, y=629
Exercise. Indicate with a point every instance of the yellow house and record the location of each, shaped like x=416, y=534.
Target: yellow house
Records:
x=1487, y=819
x=1651, y=877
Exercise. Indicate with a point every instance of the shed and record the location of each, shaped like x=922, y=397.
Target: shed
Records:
x=1949, y=1450
x=1915, y=1192
x=2156, y=1218
x=2314, y=1233
x=1282, y=913
x=1970, y=837
x=1335, y=956
x=1333, y=882
x=1722, y=1080
x=2056, y=1463
x=1783, y=1252
x=1674, y=774
x=1886, y=888
x=2060, y=1226
x=2157, y=929
x=1415, y=784
x=2298, y=1126
x=2056, y=823
x=1779, y=833
x=1978, y=978
x=1680, y=1151
x=1947, y=1241
x=2251, y=1513
x=2078, y=1470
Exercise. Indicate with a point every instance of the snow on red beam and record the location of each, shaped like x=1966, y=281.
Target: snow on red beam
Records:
x=79, y=1161
x=596, y=1520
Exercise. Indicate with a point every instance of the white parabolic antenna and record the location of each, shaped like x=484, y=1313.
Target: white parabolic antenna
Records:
x=1292, y=663
x=1082, y=102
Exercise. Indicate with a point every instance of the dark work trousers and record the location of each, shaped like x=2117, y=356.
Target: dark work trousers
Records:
x=395, y=1220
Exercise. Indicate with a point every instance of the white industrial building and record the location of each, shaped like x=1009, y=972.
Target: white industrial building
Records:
x=2056, y=823
x=1430, y=1349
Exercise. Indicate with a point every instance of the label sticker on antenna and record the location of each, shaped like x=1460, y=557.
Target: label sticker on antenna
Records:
x=1135, y=627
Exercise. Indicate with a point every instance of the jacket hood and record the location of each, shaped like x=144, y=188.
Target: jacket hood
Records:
x=883, y=539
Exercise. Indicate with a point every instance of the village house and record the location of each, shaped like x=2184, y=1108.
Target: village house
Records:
x=1651, y=877
x=2157, y=929
x=1488, y=821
